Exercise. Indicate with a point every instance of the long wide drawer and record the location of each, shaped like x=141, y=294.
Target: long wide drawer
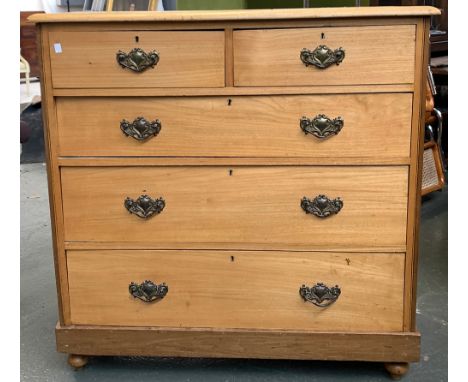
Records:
x=109, y=59
x=355, y=126
x=237, y=289
x=324, y=56
x=240, y=208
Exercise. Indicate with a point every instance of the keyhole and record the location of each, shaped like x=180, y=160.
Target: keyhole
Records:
x=137, y=39
x=322, y=36
x=230, y=172
x=232, y=258
x=229, y=102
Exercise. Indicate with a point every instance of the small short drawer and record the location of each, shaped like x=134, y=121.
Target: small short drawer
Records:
x=353, y=126
x=228, y=289
x=325, y=56
x=143, y=59
x=278, y=207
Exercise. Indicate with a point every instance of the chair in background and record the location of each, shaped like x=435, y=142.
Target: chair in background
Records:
x=25, y=68
x=433, y=174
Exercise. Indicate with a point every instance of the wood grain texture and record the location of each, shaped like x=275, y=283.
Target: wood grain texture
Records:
x=229, y=57
x=255, y=207
x=270, y=57
x=260, y=14
x=237, y=289
x=255, y=126
x=53, y=175
x=415, y=173
x=233, y=91
x=251, y=205
x=118, y=244
x=88, y=59
x=234, y=24
x=227, y=161
x=225, y=343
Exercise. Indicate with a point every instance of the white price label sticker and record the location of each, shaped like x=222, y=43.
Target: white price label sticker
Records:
x=58, y=47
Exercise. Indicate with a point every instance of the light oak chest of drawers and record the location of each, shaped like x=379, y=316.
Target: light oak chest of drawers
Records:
x=236, y=184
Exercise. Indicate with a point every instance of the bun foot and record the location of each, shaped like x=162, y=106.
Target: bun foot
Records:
x=397, y=370
x=77, y=361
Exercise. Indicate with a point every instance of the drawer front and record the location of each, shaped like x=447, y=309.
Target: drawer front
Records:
x=353, y=126
x=89, y=59
x=237, y=289
x=240, y=208
x=372, y=55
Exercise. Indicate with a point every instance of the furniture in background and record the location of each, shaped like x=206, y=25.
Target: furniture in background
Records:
x=26, y=70
x=28, y=43
x=439, y=68
x=257, y=4
x=439, y=58
x=244, y=194
x=97, y=5
x=131, y=5
x=439, y=29
x=25, y=133
x=433, y=177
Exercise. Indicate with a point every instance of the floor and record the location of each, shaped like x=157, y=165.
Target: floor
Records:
x=40, y=361
x=34, y=91
x=32, y=150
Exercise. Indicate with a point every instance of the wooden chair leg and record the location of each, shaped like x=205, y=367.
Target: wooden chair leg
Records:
x=27, y=84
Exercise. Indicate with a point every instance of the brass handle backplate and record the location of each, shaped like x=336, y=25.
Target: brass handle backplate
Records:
x=137, y=59
x=321, y=126
x=321, y=206
x=145, y=206
x=148, y=291
x=322, y=56
x=320, y=295
x=140, y=129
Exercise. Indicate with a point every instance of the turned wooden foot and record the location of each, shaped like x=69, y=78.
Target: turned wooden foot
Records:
x=77, y=361
x=397, y=370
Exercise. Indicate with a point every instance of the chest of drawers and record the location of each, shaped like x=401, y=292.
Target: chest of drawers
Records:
x=238, y=183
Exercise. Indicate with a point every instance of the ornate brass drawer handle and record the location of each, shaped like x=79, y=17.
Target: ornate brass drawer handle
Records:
x=144, y=207
x=140, y=129
x=320, y=295
x=321, y=206
x=322, y=57
x=137, y=59
x=148, y=291
x=321, y=126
